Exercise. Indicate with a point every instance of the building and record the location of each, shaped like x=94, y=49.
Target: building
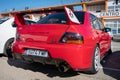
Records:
x=107, y=10
x=113, y=19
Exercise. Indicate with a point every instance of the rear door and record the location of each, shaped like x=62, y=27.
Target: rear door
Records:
x=106, y=37
x=102, y=36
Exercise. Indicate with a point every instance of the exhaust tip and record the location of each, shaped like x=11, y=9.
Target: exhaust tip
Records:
x=63, y=67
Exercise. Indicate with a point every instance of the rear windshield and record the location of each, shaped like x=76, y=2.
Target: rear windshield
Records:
x=60, y=18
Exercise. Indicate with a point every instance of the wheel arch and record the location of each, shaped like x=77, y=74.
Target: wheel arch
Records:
x=97, y=44
x=8, y=41
x=91, y=70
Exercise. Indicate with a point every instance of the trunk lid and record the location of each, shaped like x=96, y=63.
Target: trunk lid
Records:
x=44, y=33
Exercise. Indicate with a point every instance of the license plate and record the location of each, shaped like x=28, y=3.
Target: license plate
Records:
x=40, y=53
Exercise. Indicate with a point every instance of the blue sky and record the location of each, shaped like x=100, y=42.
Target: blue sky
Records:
x=8, y=5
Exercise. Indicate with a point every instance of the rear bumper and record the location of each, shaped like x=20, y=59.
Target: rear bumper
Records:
x=37, y=59
x=79, y=57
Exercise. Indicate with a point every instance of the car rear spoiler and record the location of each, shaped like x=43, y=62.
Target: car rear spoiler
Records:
x=19, y=19
x=72, y=19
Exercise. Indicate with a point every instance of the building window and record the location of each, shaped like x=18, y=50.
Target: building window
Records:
x=114, y=24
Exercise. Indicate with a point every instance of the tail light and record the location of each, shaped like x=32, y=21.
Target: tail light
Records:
x=72, y=38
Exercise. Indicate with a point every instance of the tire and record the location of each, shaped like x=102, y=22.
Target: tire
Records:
x=110, y=51
x=95, y=61
x=8, y=48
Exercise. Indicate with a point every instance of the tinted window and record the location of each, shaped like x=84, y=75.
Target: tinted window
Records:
x=60, y=18
x=100, y=24
x=27, y=22
x=95, y=22
x=30, y=22
x=80, y=16
x=92, y=17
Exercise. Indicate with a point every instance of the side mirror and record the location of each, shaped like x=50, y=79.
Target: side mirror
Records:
x=107, y=29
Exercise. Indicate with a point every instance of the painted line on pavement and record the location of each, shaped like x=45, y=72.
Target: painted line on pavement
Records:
x=112, y=69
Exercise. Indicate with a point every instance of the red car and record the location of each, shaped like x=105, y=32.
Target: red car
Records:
x=76, y=40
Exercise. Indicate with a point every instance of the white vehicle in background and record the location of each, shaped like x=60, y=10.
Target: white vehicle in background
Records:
x=3, y=20
x=7, y=34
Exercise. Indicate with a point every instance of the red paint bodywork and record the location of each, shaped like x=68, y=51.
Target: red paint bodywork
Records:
x=47, y=37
